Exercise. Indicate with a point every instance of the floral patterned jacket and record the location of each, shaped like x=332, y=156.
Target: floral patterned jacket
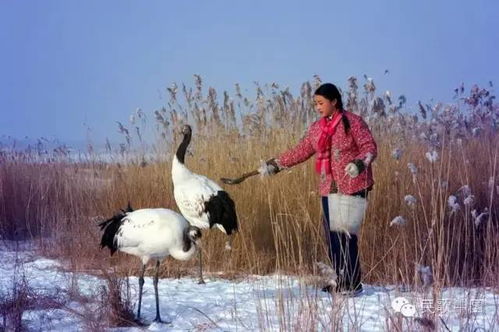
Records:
x=357, y=144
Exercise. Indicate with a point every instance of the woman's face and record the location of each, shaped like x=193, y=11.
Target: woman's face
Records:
x=324, y=106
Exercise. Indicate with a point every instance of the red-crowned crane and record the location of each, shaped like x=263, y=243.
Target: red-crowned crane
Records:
x=202, y=202
x=150, y=234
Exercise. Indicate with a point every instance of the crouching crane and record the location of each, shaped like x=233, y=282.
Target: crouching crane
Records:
x=150, y=234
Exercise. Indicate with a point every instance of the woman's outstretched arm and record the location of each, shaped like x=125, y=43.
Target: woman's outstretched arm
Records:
x=299, y=153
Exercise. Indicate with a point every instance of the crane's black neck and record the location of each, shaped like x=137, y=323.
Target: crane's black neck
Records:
x=187, y=241
x=182, y=148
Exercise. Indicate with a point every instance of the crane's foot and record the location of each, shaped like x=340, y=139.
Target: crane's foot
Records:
x=139, y=322
x=160, y=321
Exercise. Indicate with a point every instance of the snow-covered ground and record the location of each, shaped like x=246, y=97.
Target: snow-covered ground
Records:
x=277, y=302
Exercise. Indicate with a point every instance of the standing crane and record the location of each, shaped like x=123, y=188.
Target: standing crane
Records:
x=201, y=201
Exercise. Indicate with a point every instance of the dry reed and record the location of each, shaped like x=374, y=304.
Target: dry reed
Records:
x=57, y=198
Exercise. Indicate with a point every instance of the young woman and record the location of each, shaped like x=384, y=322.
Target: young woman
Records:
x=344, y=149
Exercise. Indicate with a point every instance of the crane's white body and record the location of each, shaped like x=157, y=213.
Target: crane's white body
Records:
x=153, y=234
x=191, y=192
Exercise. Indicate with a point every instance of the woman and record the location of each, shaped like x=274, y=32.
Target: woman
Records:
x=344, y=149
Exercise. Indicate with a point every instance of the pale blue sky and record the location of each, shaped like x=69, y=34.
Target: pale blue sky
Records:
x=66, y=63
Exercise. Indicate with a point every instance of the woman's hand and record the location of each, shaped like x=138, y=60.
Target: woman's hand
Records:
x=269, y=167
x=354, y=168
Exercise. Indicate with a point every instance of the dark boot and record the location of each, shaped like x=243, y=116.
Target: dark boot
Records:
x=352, y=264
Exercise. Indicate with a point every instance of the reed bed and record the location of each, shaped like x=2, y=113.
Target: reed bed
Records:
x=433, y=208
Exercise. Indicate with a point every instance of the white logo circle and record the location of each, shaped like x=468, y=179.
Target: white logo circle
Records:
x=408, y=310
x=398, y=302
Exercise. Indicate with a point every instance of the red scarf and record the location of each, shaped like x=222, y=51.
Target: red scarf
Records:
x=328, y=128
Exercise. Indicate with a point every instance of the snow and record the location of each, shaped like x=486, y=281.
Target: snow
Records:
x=276, y=302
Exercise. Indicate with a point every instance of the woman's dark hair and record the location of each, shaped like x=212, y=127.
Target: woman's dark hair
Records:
x=331, y=92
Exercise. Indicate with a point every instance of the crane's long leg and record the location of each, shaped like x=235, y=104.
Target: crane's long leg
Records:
x=201, y=280
x=141, y=284
x=228, y=243
x=155, y=282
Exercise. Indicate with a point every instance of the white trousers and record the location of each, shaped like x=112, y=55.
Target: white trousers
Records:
x=346, y=213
